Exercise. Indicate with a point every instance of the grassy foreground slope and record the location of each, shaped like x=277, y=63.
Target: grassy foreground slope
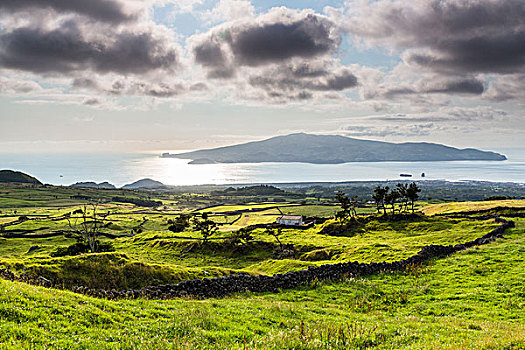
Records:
x=471, y=300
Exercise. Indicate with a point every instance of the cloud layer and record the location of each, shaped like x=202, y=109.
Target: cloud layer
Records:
x=67, y=48
x=282, y=55
x=112, y=11
x=479, y=36
x=447, y=50
x=92, y=51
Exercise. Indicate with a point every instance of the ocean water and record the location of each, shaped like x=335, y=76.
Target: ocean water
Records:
x=122, y=168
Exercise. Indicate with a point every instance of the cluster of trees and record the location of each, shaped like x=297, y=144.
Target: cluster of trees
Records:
x=348, y=207
x=204, y=225
x=403, y=194
x=395, y=199
x=180, y=223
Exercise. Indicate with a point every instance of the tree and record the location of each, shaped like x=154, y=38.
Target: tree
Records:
x=180, y=223
x=275, y=233
x=86, y=228
x=403, y=193
x=379, y=197
x=348, y=206
x=391, y=198
x=206, y=226
x=412, y=193
x=244, y=236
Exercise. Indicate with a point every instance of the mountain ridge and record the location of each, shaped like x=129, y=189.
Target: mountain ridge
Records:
x=331, y=149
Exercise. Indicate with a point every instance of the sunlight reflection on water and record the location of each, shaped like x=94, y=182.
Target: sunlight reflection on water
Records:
x=123, y=168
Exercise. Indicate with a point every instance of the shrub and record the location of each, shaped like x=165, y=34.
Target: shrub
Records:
x=81, y=248
x=180, y=223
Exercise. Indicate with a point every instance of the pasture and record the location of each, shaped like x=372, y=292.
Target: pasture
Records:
x=473, y=299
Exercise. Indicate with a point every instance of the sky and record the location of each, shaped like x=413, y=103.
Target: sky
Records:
x=148, y=75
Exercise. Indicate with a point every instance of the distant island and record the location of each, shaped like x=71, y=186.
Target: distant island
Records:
x=17, y=177
x=143, y=183
x=91, y=184
x=139, y=184
x=331, y=149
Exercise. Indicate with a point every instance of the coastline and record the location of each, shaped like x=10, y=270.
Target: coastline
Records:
x=123, y=168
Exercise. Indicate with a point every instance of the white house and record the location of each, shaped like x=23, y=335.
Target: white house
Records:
x=290, y=220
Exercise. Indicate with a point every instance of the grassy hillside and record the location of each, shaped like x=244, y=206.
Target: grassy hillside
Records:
x=471, y=300
x=157, y=256
x=17, y=177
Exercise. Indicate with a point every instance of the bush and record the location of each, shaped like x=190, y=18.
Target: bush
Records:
x=176, y=227
x=81, y=248
x=348, y=229
x=180, y=223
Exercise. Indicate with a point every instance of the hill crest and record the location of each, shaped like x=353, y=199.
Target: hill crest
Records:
x=18, y=177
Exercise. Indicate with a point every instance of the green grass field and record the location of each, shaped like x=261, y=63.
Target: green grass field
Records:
x=458, y=207
x=470, y=300
x=161, y=256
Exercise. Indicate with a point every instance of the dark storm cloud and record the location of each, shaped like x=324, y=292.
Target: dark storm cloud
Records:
x=503, y=53
x=135, y=53
x=209, y=54
x=101, y=46
x=450, y=36
x=308, y=71
x=84, y=83
x=466, y=86
x=284, y=55
x=339, y=82
x=276, y=42
x=102, y=10
x=66, y=49
x=295, y=82
x=259, y=43
x=285, y=80
x=461, y=86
